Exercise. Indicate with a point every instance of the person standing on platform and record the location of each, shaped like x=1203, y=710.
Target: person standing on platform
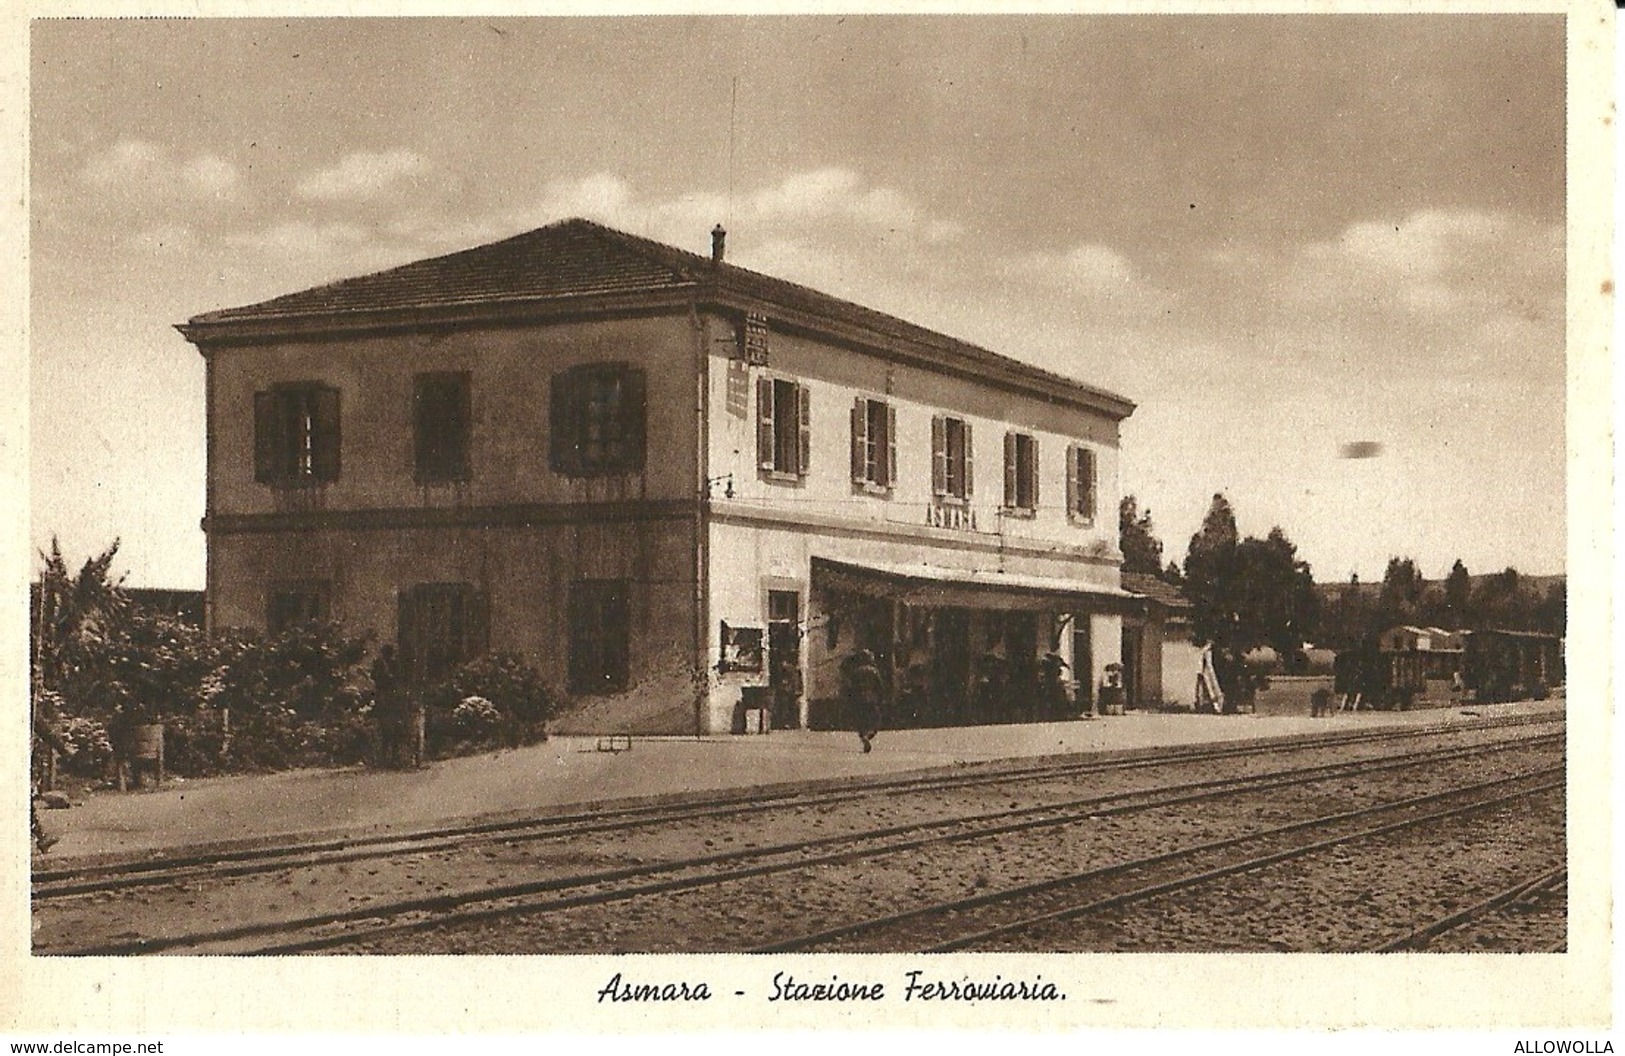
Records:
x=865, y=696
x=389, y=710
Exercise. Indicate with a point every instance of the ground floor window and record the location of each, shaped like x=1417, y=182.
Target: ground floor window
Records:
x=600, y=636
x=292, y=603
x=442, y=625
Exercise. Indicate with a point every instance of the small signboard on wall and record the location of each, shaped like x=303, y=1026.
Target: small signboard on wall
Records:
x=741, y=649
x=753, y=340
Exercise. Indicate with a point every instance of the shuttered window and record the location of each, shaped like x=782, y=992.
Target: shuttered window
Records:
x=783, y=427
x=1081, y=485
x=952, y=458
x=597, y=420
x=600, y=636
x=1020, y=472
x=296, y=434
x=442, y=422
x=874, y=444
x=441, y=625
x=291, y=603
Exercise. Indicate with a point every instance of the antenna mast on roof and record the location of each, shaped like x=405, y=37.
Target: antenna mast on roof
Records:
x=733, y=111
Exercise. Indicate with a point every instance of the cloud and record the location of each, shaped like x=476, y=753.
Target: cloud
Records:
x=1440, y=262
x=134, y=168
x=1088, y=268
x=839, y=194
x=363, y=175
x=301, y=238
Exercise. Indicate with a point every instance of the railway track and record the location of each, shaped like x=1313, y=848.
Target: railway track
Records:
x=383, y=921
x=985, y=921
x=68, y=881
x=1527, y=895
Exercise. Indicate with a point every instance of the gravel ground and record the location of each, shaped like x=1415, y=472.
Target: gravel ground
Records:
x=1522, y=927
x=206, y=904
x=1344, y=899
x=742, y=914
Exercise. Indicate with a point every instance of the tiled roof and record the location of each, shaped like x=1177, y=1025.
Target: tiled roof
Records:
x=1158, y=590
x=566, y=259
x=576, y=260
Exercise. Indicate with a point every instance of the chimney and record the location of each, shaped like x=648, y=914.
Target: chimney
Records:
x=719, y=238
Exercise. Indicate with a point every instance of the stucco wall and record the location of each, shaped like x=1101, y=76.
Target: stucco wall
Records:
x=836, y=376
x=526, y=572
x=511, y=371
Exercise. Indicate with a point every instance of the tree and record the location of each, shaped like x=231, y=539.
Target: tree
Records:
x=1247, y=593
x=1275, y=595
x=74, y=611
x=1142, y=550
x=1458, y=590
x=1552, y=615
x=1400, y=599
x=1210, y=575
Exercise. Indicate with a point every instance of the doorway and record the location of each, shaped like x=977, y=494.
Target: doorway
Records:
x=784, y=657
x=1083, y=664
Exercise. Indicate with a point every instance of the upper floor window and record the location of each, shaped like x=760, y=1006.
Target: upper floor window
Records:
x=952, y=458
x=600, y=636
x=441, y=625
x=296, y=434
x=783, y=427
x=295, y=602
x=1020, y=472
x=874, y=444
x=442, y=425
x=598, y=420
x=1081, y=474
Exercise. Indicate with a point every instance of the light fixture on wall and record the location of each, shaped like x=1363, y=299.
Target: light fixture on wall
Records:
x=727, y=491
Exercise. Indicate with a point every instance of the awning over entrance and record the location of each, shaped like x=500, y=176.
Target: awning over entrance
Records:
x=933, y=586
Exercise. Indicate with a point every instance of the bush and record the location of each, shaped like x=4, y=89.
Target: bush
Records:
x=498, y=699
x=92, y=750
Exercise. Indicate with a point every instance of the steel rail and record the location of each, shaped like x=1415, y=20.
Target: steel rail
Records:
x=67, y=882
x=984, y=825
x=1419, y=938
x=1259, y=862
x=994, y=898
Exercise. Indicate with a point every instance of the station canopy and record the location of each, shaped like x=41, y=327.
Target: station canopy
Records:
x=933, y=586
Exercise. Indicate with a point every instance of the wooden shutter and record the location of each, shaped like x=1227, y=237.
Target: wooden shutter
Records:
x=1086, y=480
x=269, y=439
x=860, y=440
x=635, y=424
x=615, y=632
x=1032, y=471
x=1012, y=488
x=325, y=434
x=804, y=428
x=891, y=445
x=463, y=435
x=939, y=455
x=1072, y=481
x=764, y=424
x=561, y=449
x=970, y=463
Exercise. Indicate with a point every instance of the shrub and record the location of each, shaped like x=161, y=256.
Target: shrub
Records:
x=92, y=750
x=513, y=705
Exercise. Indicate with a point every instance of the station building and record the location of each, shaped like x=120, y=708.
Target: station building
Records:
x=674, y=484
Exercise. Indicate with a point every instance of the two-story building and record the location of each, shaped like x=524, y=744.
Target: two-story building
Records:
x=664, y=479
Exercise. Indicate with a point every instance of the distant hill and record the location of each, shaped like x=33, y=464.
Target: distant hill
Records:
x=1334, y=591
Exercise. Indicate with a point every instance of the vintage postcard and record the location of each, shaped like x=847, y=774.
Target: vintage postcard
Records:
x=565, y=520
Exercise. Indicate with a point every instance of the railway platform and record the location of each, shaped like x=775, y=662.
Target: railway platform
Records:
x=577, y=772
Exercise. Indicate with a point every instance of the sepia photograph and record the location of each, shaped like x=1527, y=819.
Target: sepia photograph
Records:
x=973, y=489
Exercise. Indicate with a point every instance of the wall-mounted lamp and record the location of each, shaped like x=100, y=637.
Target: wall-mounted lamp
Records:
x=727, y=492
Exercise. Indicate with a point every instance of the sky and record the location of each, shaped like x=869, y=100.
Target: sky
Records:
x=1278, y=235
